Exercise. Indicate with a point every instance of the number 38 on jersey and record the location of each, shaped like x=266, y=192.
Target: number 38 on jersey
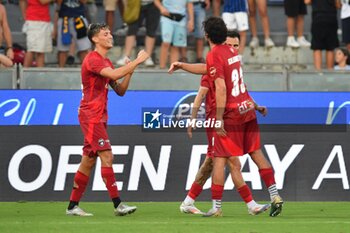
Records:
x=237, y=81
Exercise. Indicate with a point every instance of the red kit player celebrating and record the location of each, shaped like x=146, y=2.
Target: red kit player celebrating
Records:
x=97, y=74
x=246, y=135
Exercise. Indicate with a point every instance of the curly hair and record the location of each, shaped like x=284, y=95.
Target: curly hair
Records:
x=215, y=29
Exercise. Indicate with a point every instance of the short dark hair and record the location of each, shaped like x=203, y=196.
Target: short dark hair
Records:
x=233, y=34
x=94, y=29
x=215, y=29
x=346, y=53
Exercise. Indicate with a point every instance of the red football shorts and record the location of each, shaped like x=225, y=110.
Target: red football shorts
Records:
x=210, y=134
x=95, y=138
x=239, y=140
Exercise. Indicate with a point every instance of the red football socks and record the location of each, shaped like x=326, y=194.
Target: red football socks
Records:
x=195, y=190
x=216, y=191
x=80, y=181
x=109, y=179
x=267, y=175
x=245, y=193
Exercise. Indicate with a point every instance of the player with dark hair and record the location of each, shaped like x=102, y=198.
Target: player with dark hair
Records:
x=97, y=73
x=219, y=36
x=265, y=169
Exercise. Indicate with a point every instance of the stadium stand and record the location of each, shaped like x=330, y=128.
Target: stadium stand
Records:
x=8, y=79
x=274, y=69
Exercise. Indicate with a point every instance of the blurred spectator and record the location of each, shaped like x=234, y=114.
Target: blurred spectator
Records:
x=110, y=7
x=173, y=27
x=217, y=8
x=295, y=11
x=38, y=28
x=71, y=54
x=5, y=61
x=91, y=11
x=5, y=32
x=262, y=9
x=345, y=22
x=342, y=58
x=324, y=28
x=71, y=25
x=236, y=18
x=151, y=15
x=199, y=7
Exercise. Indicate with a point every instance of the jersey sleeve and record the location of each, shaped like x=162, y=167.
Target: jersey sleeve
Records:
x=205, y=81
x=96, y=64
x=215, y=65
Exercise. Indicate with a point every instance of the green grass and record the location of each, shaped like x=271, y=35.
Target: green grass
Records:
x=300, y=217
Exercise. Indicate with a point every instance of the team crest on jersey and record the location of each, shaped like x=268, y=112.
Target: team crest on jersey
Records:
x=101, y=142
x=212, y=71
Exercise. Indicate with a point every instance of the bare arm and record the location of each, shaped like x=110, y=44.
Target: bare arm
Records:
x=202, y=92
x=119, y=73
x=23, y=6
x=190, y=24
x=162, y=9
x=220, y=92
x=7, y=33
x=122, y=87
x=199, y=68
x=7, y=62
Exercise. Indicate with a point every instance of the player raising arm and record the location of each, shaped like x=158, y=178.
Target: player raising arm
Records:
x=97, y=72
x=265, y=169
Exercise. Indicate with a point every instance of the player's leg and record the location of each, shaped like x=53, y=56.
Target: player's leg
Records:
x=243, y=189
x=204, y=172
x=108, y=177
x=81, y=180
x=223, y=148
x=93, y=134
x=217, y=186
x=252, y=146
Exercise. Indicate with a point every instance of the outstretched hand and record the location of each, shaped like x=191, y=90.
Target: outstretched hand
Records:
x=174, y=66
x=262, y=110
x=220, y=130
x=189, y=130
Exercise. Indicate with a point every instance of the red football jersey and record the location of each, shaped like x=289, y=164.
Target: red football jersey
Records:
x=93, y=105
x=225, y=62
x=210, y=108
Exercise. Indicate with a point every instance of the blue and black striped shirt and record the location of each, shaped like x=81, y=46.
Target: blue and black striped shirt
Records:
x=232, y=6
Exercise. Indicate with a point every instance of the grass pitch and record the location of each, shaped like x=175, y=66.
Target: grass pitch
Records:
x=154, y=217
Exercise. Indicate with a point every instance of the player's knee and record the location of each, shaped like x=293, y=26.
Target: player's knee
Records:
x=235, y=166
x=89, y=163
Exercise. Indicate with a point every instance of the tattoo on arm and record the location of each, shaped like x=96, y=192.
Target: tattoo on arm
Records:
x=114, y=85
